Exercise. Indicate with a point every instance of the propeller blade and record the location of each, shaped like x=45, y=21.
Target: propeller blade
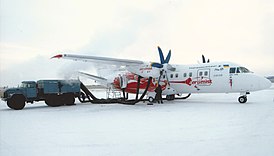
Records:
x=162, y=60
x=157, y=65
x=168, y=57
x=203, y=57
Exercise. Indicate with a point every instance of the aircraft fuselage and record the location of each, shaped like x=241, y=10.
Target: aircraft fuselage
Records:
x=200, y=78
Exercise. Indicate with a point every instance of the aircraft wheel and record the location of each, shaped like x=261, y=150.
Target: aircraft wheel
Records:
x=242, y=99
x=170, y=97
x=16, y=102
x=150, y=99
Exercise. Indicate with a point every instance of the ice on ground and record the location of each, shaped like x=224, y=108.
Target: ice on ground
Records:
x=204, y=124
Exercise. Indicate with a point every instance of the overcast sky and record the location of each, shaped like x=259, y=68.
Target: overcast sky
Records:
x=32, y=31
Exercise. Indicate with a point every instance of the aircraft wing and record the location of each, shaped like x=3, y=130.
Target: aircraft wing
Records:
x=103, y=60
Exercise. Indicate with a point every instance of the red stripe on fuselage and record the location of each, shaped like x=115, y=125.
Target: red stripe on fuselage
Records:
x=187, y=81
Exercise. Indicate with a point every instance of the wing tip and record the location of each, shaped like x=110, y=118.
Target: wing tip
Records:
x=57, y=56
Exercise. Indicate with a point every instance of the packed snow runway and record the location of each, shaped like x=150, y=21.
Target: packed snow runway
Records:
x=204, y=124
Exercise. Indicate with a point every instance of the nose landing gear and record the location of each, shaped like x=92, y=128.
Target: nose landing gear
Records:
x=243, y=97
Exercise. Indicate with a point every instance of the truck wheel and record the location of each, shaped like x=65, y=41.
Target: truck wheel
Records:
x=16, y=102
x=49, y=102
x=69, y=99
x=54, y=101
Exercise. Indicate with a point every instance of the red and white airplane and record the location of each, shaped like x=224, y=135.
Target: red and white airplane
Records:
x=219, y=77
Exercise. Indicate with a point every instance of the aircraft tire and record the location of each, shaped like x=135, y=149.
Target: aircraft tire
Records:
x=170, y=97
x=150, y=99
x=242, y=99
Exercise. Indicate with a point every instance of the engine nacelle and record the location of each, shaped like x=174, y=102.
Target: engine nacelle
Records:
x=145, y=70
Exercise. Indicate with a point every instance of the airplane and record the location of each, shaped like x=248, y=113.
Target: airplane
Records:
x=175, y=79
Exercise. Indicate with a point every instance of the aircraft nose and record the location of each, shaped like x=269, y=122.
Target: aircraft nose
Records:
x=265, y=83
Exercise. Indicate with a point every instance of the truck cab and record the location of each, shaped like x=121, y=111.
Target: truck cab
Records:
x=29, y=89
x=16, y=97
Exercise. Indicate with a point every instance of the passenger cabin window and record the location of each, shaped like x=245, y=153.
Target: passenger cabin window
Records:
x=200, y=73
x=171, y=75
x=185, y=74
x=206, y=73
x=190, y=74
x=176, y=75
x=164, y=76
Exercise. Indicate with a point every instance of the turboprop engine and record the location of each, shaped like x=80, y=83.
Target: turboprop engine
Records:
x=154, y=69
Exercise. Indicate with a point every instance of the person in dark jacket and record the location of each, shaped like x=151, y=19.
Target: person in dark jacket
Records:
x=158, y=96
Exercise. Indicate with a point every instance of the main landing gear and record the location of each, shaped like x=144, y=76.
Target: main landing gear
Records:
x=243, y=97
x=168, y=98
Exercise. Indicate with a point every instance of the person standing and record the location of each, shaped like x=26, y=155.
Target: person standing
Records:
x=158, y=96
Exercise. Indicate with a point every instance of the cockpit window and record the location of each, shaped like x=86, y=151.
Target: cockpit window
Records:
x=232, y=70
x=239, y=70
x=244, y=70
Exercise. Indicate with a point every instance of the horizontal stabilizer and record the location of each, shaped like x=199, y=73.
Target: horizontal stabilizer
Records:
x=99, y=79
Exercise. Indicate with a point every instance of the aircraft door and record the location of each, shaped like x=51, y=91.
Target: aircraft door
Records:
x=235, y=82
x=232, y=71
x=203, y=77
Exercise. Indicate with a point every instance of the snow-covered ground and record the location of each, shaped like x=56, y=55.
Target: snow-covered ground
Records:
x=204, y=124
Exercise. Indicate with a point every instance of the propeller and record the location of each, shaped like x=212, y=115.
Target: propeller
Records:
x=162, y=59
x=163, y=65
x=204, y=60
x=159, y=68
